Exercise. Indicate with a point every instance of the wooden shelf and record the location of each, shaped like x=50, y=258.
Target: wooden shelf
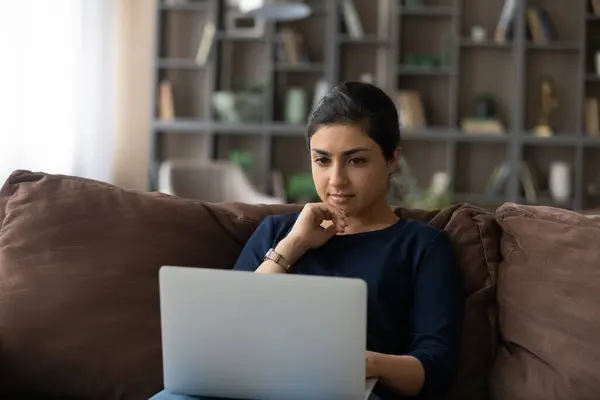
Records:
x=178, y=63
x=365, y=40
x=433, y=71
x=301, y=67
x=555, y=46
x=195, y=7
x=487, y=44
x=427, y=11
x=510, y=72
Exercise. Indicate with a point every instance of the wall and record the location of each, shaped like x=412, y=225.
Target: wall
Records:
x=136, y=30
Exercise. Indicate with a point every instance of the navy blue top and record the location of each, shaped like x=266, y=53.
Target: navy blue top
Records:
x=415, y=298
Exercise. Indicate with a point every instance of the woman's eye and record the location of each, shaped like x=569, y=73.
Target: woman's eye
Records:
x=321, y=160
x=357, y=160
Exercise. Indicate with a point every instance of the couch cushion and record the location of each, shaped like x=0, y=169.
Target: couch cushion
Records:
x=549, y=303
x=79, y=260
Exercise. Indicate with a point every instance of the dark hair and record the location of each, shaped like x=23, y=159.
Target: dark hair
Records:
x=361, y=104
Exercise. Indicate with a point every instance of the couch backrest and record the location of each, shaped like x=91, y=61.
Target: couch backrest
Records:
x=79, y=264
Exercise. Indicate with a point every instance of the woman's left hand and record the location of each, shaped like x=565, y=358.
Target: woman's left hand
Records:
x=371, y=365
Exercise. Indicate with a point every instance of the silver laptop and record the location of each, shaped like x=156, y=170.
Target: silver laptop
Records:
x=243, y=335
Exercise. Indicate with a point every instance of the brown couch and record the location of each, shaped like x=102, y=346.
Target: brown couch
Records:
x=79, y=310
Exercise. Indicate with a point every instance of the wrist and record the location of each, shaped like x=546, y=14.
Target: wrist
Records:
x=290, y=248
x=375, y=364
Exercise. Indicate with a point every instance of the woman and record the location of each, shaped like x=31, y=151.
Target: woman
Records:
x=415, y=300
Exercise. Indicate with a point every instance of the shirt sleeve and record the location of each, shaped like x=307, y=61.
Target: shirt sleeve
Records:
x=256, y=247
x=437, y=317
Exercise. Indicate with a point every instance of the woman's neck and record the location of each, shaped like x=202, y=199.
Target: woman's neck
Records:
x=375, y=218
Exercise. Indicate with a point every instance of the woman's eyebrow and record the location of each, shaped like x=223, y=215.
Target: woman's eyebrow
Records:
x=348, y=152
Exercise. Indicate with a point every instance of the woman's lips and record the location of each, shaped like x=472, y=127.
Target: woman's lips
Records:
x=340, y=198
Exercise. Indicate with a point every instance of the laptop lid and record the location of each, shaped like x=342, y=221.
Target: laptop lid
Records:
x=243, y=335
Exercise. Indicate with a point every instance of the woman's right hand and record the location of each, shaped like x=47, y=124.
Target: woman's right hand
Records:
x=308, y=231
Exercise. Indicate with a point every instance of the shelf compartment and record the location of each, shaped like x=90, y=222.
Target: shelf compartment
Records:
x=226, y=144
x=562, y=70
x=539, y=158
x=475, y=164
x=188, y=92
x=181, y=34
x=290, y=156
x=435, y=153
x=475, y=80
x=434, y=96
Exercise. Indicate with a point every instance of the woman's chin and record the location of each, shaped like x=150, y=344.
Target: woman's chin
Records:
x=344, y=206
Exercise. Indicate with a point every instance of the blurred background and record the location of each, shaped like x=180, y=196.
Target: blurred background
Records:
x=208, y=99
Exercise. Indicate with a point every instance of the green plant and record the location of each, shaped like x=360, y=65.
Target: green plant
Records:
x=242, y=159
x=300, y=186
x=404, y=190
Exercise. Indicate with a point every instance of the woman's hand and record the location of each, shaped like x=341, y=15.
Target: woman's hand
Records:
x=308, y=231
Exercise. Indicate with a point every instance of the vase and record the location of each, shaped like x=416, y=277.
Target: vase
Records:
x=560, y=182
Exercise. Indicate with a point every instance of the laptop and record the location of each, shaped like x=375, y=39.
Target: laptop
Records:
x=240, y=335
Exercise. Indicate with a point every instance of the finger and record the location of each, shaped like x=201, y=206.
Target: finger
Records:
x=336, y=212
x=332, y=229
x=321, y=214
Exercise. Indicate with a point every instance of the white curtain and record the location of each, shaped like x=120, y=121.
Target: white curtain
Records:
x=57, y=97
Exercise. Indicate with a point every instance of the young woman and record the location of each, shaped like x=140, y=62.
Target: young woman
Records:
x=415, y=298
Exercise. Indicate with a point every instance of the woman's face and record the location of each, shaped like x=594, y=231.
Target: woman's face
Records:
x=349, y=169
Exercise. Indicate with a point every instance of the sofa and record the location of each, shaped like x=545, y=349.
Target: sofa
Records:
x=79, y=302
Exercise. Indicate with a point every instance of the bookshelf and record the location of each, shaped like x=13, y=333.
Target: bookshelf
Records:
x=394, y=35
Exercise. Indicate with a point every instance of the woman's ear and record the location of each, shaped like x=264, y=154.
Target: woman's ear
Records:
x=393, y=163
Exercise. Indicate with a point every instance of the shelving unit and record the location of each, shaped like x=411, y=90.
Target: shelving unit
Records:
x=511, y=71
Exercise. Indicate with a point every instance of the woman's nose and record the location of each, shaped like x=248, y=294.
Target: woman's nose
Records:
x=338, y=176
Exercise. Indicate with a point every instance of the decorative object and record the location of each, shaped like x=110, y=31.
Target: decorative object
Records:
x=485, y=118
x=292, y=47
x=548, y=102
x=413, y=4
x=411, y=110
x=273, y=10
x=246, y=105
x=351, y=19
x=430, y=61
x=559, y=182
x=321, y=88
x=165, y=102
x=206, y=44
x=366, y=77
x=295, y=106
x=243, y=25
x=301, y=188
x=478, y=34
x=506, y=21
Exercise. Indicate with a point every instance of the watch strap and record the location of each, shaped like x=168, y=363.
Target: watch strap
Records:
x=278, y=259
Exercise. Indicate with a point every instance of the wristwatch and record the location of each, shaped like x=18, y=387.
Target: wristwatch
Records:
x=278, y=259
